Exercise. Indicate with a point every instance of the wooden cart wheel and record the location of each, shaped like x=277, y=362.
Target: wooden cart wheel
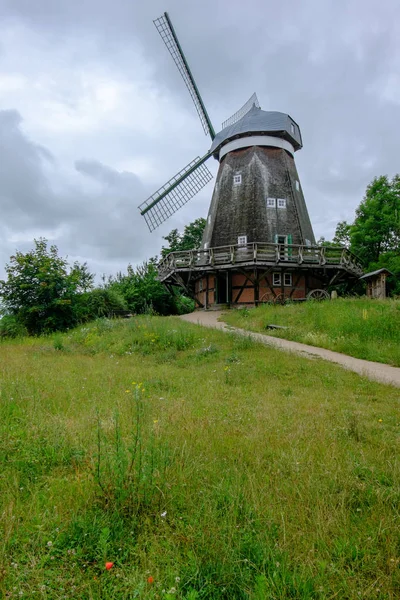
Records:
x=267, y=297
x=318, y=295
x=279, y=299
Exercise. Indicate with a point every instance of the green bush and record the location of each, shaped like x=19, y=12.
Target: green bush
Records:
x=99, y=303
x=10, y=327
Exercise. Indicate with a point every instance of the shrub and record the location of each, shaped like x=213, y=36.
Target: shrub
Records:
x=10, y=327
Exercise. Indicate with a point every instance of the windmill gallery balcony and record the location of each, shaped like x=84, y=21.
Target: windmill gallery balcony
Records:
x=260, y=254
x=257, y=272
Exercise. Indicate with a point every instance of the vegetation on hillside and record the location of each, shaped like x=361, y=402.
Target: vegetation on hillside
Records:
x=368, y=329
x=196, y=465
x=42, y=293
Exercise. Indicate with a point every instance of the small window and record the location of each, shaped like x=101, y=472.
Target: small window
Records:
x=281, y=239
x=271, y=202
x=276, y=279
x=205, y=245
x=292, y=128
x=242, y=240
x=200, y=285
x=237, y=179
x=281, y=202
x=308, y=243
x=287, y=279
x=297, y=186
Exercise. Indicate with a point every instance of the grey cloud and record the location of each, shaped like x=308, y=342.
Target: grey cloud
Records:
x=24, y=192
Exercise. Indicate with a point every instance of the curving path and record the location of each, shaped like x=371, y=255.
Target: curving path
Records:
x=372, y=370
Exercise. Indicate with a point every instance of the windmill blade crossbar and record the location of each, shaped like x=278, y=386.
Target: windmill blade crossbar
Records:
x=242, y=111
x=175, y=193
x=167, y=33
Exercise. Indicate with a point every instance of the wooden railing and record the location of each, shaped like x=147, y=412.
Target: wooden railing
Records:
x=260, y=253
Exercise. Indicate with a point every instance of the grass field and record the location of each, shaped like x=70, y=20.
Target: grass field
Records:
x=202, y=465
x=368, y=329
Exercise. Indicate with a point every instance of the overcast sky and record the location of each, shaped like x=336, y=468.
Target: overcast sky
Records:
x=94, y=116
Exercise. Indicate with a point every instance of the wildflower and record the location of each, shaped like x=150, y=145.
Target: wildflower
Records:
x=155, y=421
x=109, y=565
x=379, y=420
x=172, y=591
x=49, y=544
x=177, y=579
x=127, y=391
x=150, y=579
x=226, y=369
x=163, y=514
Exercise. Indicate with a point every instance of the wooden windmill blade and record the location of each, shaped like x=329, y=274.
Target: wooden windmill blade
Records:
x=176, y=192
x=168, y=35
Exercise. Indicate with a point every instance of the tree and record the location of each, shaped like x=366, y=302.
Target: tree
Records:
x=141, y=289
x=40, y=288
x=375, y=233
x=188, y=240
x=376, y=229
x=342, y=234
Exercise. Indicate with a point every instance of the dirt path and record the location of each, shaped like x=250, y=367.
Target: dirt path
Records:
x=372, y=370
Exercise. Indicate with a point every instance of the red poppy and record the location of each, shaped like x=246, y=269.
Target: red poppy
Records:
x=109, y=565
x=150, y=579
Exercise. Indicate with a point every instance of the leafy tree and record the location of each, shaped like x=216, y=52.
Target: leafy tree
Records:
x=188, y=240
x=375, y=233
x=40, y=288
x=376, y=229
x=141, y=289
x=342, y=234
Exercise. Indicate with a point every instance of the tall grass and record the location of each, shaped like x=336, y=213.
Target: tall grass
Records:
x=202, y=465
x=368, y=329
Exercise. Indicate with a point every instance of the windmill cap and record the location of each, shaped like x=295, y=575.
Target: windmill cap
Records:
x=261, y=122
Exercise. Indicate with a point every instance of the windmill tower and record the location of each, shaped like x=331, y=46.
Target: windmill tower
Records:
x=258, y=244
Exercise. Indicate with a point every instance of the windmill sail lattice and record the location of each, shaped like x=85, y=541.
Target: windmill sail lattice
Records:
x=167, y=33
x=175, y=193
x=253, y=101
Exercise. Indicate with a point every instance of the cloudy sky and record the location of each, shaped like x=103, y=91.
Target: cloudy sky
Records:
x=94, y=116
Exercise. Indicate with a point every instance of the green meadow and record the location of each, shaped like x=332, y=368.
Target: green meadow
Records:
x=201, y=464
x=368, y=329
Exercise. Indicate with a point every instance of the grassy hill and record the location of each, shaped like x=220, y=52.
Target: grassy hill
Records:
x=202, y=465
x=368, y=329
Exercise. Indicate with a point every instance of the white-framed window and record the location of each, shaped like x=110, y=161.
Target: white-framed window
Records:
x=237, y=179
x=205, y=245
x=281, y=202
x=242, y=240
x=287, y=279
x=292, y=127
x=271, y=202
x=276, y=279
x=297, y=186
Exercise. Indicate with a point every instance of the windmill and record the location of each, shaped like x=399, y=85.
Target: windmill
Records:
x=258, y=243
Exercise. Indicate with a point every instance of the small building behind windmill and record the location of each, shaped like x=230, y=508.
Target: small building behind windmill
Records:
x=376, y=283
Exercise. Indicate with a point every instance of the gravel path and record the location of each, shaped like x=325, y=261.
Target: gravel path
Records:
x=372, y=370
